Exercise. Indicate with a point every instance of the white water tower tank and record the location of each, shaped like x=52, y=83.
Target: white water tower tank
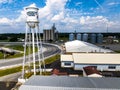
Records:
x=32, y=15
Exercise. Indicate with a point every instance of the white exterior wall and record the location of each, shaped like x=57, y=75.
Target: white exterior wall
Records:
x=79, y=67
x=102, y=67
x=67, y=66
x=118, y=68
x=99, y=67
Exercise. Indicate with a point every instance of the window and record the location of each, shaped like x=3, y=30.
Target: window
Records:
x=67, y=63
x=112, y=67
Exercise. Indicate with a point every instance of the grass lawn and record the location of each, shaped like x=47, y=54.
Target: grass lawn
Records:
x=117, y=51
x=15, y=47
x=10, y=71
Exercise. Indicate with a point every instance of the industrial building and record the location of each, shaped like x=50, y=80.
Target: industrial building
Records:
x=92, y=38
x=102, y=62
x=81, y=46
x=50, y=34
x=70, y=83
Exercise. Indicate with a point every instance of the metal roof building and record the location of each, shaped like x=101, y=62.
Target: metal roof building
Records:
x=103, y=61
x=81, y=46
x=96, y=58
x=70, y=83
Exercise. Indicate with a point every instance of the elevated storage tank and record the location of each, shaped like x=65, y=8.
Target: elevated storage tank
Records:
x=71, y=37
x=93, y=38
x=85, y=37
x=32, y=16
x=79, y=37
x=99, y=38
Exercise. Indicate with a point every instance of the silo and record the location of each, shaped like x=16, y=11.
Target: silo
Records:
x=79, y=37
x=99, y=38
x=93, y=38
x=85, y=37
x=71, y=37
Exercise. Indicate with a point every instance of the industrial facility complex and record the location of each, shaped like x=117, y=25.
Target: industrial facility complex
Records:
x=94, y=38
x=50, y=34
x=54, y=61
x=81, y=55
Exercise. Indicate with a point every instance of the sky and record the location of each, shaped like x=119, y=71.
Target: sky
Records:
x=68, y=15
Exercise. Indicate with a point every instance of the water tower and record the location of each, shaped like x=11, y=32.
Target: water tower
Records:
x=32, y=43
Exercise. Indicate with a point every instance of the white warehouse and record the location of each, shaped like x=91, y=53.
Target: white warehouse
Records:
x=102, y=61
x=77, y=46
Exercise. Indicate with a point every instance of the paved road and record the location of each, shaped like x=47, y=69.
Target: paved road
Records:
x=50, y=50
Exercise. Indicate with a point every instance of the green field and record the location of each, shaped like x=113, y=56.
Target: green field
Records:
x=10, y=71
x=15, y=47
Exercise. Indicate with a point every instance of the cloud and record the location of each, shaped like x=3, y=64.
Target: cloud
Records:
x=113, y=3
x=47, y=15
x=67, y=20
x=5, y=1
x=58, y=17
x=52, y=12
x=52, y=7
x=5, y=21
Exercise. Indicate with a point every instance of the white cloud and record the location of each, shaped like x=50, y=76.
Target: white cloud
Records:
x=67, y=20
x=96, y=19
x=58, y=17
x=113, y=3
x=4, y=21
x=52, y=7
x=22, y=16
x=5, y=1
